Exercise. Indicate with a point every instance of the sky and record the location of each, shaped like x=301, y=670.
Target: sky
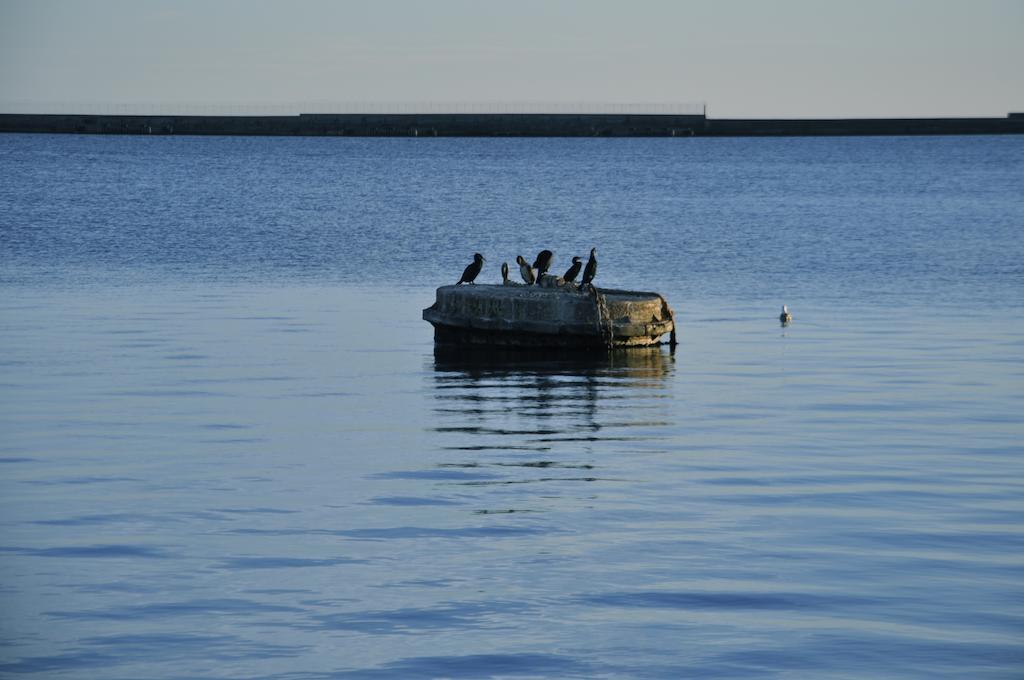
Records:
x=742, y=58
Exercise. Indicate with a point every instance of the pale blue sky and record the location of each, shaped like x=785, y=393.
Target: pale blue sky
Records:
x=790, y=58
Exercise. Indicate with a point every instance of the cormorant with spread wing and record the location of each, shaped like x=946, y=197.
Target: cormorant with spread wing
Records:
x=543, y=262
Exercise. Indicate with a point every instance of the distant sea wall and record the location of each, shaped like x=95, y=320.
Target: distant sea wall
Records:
x=501, y=125
x=1012, y=124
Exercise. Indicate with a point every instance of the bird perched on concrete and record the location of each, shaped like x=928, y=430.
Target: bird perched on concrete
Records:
x=524, y=269
x=472, y=270
x=543, y=262
x=785, y=317
x=590, y=271
x=504, y=273
x=574, y=270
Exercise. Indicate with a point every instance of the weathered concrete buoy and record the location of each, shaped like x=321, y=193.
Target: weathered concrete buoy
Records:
x=537, y=316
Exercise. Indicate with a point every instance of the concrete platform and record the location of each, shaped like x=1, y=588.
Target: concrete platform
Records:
x=535, y=316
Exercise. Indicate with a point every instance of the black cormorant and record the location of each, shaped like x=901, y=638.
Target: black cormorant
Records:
x=472, y=270
x=574, y=270
x=591, y=269
x=504, y=272
x=785, y=317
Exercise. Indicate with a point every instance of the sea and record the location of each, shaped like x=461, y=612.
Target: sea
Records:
x=230, y=449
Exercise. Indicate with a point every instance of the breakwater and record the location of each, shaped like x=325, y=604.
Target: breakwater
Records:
x=501, y=125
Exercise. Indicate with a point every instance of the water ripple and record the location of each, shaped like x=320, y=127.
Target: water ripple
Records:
x=95, y=551
x=527, y=664
x=111, y=651
x=722, y=600
x=283, y=562
x=455, y=615
x=435, y=532
x=161, y=610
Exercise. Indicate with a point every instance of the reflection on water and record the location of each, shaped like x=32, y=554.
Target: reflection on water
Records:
x=534, y=418
x=540, y=399
x=639, y=361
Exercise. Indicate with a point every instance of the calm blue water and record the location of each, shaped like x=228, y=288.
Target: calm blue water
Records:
x=229, y=449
